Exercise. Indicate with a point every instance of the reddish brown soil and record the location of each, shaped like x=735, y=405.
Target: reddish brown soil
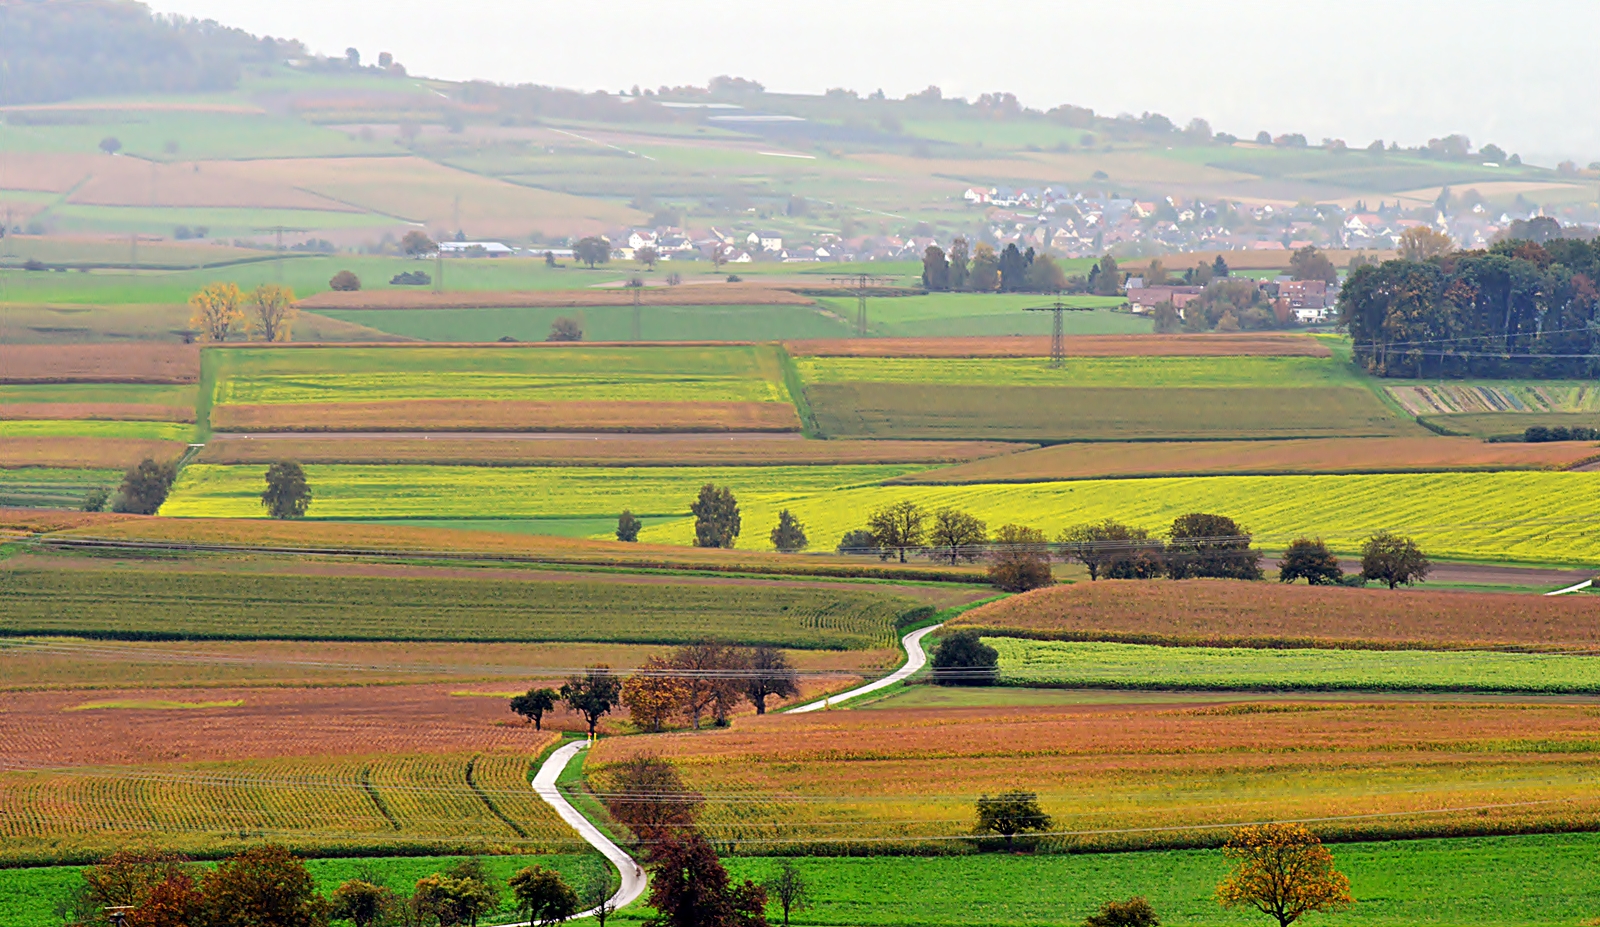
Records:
x=475, y=415
x=95, y=411
x=99, y=363
x=99, y=453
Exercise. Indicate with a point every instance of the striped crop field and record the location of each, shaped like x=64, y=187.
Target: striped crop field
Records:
x=456, y=415
x=94, y=453
x=1528, y=517
x=162, y=604
x=472, y=801
x=1137, y=372
x=399, y=491
x=148, y=431
x=1099, y=664
x=1078, y=346
x=99, y=363
x=1496, y=396
x=1128, y=776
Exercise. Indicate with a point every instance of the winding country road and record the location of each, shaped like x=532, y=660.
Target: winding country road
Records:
x=633, y=877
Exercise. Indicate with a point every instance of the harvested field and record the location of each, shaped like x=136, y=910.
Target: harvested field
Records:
x=176, y=604
x=508, y=415
x=250, y=534
x=98, y=453
x=95, y=411
x=1324, y=455
x=729, y=294
x=1045, y=413
x=1123, y=777
x=1261, y=345
x=39, y=521
x=1129, y=372
x=136, y=182
x=99, y=363
x=597, y=451
x=1225, y=613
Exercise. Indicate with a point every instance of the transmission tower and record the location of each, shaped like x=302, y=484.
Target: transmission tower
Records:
x=862, y=284
x=278, y=230
x=1058, y=338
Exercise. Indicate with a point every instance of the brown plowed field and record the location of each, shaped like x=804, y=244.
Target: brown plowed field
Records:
x=678, y=450
x=95, y=411
x=1231, y=613
x=42, y=520
x=1260, y=345
x=1321, y=455
x=99, y=363
x=732, y=294
x=96, y=453
x=475, y=415
x=899, y=775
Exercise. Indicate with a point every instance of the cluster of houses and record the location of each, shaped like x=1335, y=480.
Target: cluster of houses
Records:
x=1310, y=302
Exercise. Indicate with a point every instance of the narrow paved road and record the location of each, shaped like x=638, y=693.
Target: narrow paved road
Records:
x=915, y=659
x=544, y=782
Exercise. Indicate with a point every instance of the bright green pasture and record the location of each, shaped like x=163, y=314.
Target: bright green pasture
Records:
x=155, y=394
x=605, y=323
x=1101, y=664
x=1136, y=372
x=405, y=491
x=162, y=431
x=984, y=314
x=576, y=373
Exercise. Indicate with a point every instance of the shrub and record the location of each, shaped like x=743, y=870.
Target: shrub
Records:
x=345, y=282
x=565, y=329
x=859, y=541
x=963, y=659
x=1135, y=912
x=411, y=278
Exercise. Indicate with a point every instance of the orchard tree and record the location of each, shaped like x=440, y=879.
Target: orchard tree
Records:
x=1283, y=871
x=898, y=527
x=713, y=676
x=216, y=311
x=789, y=536
x=1210, y=545
x=957, y=536
x=963, y=659
x=1009, y=814
x=1311, y=561
x=716, y=517
x=287, y=494
x=272, y=311
x=533, y=703
x=361, y=902
x=647, y=256
x=1393, y=559
x=592, y=694
x=771, y=676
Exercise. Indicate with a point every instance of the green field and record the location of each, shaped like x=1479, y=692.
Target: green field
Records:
x=40, y=487
x=153, y=604
x=121, y=393
x=945, y=314
x=1509, y=424
x=425, y=491
x=564, y=374
x=1127, y=372
x=1088, y=413
x=604, y=323
x=161, y=431
x=1109, y=665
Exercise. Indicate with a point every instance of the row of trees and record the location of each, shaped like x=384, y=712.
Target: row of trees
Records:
x=717, y=523
x=1520, y=309
x=953, y=536
x=221, y=311
x=985, y=271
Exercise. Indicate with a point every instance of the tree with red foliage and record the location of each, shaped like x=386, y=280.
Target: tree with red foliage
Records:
x=691, y=889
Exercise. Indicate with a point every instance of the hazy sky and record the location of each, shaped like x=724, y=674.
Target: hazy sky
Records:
x=1523, y=74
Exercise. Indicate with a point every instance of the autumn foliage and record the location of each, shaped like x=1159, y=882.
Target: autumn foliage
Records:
x=1282, y=870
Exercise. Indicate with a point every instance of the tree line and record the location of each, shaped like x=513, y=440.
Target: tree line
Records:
x=983, y=270
x=1518, y=309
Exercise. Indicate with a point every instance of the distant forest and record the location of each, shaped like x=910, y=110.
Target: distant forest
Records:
x=54, y=50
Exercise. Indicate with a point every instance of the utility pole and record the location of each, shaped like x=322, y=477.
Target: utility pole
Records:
x=438, y=269
x=1058, y=339
x=862, y=284
x=278, y=231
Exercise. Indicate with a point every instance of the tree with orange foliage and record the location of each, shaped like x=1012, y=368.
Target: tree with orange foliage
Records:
x=1283, y=871
x=653, y=694
x=265, y=884
x=216, y=311
x=1420, y=242
x=272, y=310
x=172, y=902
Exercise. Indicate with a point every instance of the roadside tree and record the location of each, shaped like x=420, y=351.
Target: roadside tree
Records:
x=713, y=677
x=963, y=659
x=1135, y=912
x=592, y=694
x=1112, y=550
x=272, y=312
x=690, y=887
x=716, y=517
x=789, y=536
x=595, y=888
x=1393, y=559
x=216, y=311
x=1210, y=545
x=1020, y=559
x=628, y=527
x=897, y=527
x=533, y=703
x=957, y=536
x=1009, y=814
x=1311, y=561
x=1283, y=871
x=787, y=888
x=144, y=488
x=771, y=676
x=648, y=796
x=654, y=694
x=542, y=896
x=287, y=494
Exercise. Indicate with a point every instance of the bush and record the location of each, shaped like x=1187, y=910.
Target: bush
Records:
x=1538, y=434
x=859, y=541
x=95, y=500
x=565, y=329
x=1135, y=912
x=411, y=278
x=962, y=659
x=345, y=282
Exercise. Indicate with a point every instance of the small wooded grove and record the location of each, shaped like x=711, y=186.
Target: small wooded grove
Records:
x=1520, y=309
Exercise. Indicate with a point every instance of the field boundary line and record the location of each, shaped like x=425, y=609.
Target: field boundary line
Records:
x=916, y=659
x=544, y=783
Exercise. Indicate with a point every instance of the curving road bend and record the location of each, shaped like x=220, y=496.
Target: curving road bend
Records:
x=544, y=783
x=915, y=659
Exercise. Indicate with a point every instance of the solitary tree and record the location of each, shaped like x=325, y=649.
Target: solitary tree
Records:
x=1019, y=559
x=1135, y=912
x=345, y=282
x=145, y=487
x=963, y=659
x=788, y=888
x=564, y=328
x=957, y=536
x=789, y=536
x=1283, y=871
x=716, y=517
x=272, y=312
x=592, y=250
x=690, y=888
x=592, y=694
x=110, y=145
x=216, y=311
x=416, y=244
x=771, y=675
x=1393, y=559
x=897, y=527
x=654, y=694
x=1210, y=545
x=542, y=896
x=1009, y=814
x=1311, y=561
x=287, y=494
x=647, y=256
x=1112, y=550
x=628, y=527
x=360, y=902
x=533, y=703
